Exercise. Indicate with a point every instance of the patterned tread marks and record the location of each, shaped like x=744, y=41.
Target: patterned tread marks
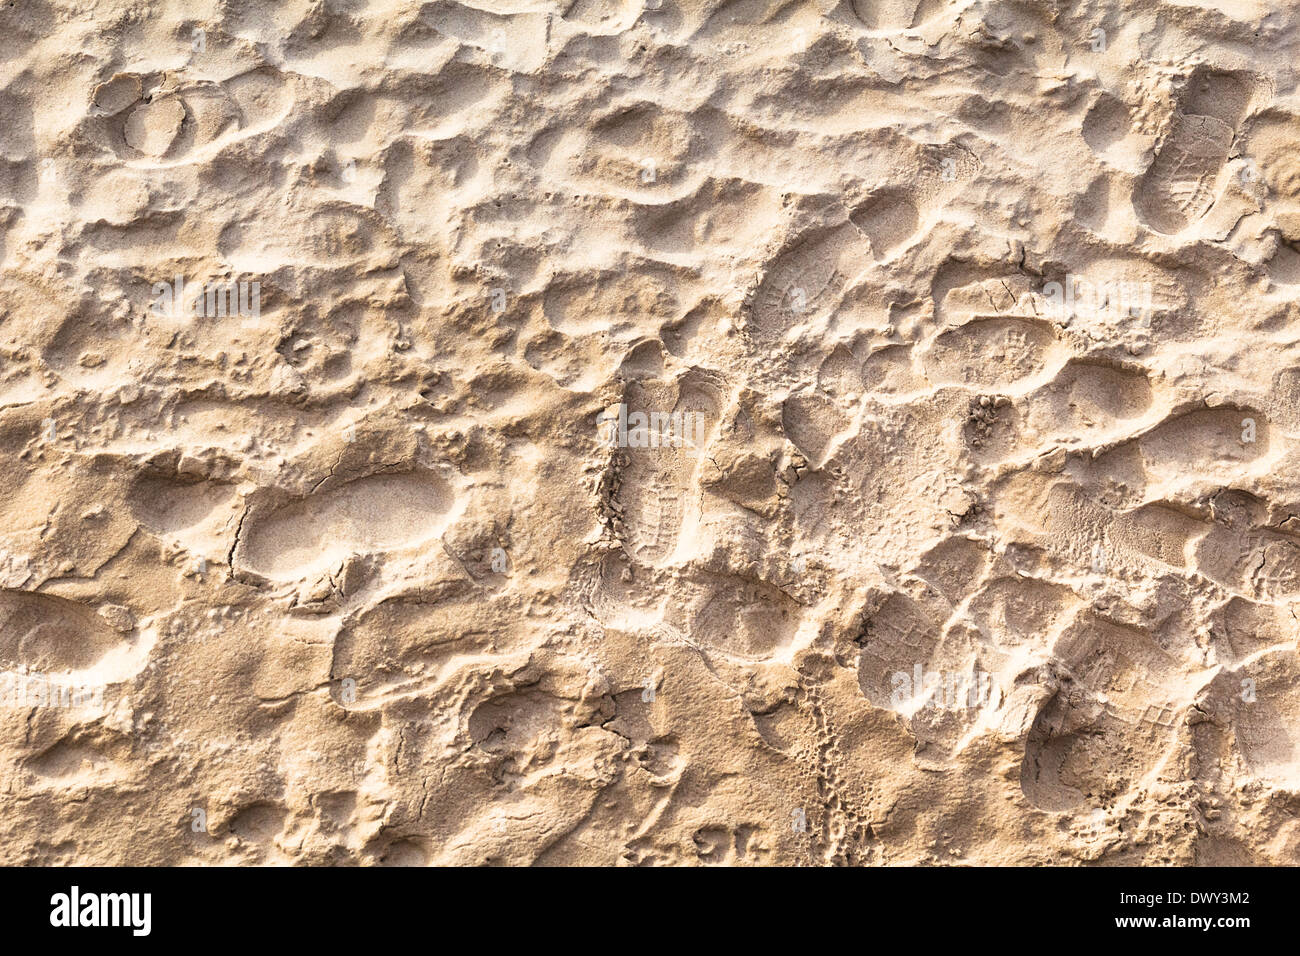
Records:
x=659, y=487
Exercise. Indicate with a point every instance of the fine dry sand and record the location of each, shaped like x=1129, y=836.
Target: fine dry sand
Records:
x=649, y=432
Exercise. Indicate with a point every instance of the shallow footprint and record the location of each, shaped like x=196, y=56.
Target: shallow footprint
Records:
x=52, y=635
x=894, y=14
x=663, y=453
x=812, y=423
x=1087, y=398
x=152, y=127
x=197, y=514
x=805, y=279
x=1203, y=442
x=889, y=219
x=378, y=513
x=994, y=352
x=1112, y=720
x=1181, y=185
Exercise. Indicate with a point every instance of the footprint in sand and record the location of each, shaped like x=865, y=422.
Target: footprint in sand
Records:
x=1184, y=181
x=888, y=219
x=166, y=125
x=1199, y=444
x=200, y=515
x=659, y=484
x=739, y=620
x=995, y=352
x=936, y=680
x=1110, y=723
x=54, y=636
x=895, y=638
x=813, y=423
x=888, y=371
x=1088, y=398
x=1108, y=122
x=895, y=14
x=375, y=514
x=1259, y=712
x=806, y=279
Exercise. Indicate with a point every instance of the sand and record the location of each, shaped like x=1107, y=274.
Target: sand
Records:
x=649, y=432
